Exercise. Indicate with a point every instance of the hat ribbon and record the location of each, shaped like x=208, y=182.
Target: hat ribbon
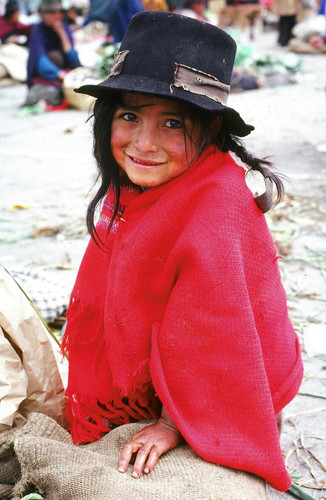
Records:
x=197, y=82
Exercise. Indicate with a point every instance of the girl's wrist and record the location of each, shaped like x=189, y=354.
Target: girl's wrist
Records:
x=167, y=420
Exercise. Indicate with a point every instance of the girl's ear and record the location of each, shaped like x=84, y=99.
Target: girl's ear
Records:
x=216, y=123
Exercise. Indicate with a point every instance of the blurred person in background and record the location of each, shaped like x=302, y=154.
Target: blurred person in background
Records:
x=310, y=34
x=241, y=13
x=71, y=16
x=322, y=7
x=11, y=29
x=318, y=41
x=125, y=10
x=287, y=11
x=116, y=14
x=174, y=5
x=160, y=5
x=195, y=9
x=51, y=55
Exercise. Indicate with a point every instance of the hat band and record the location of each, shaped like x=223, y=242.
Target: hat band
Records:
x=189, y=79
x=197, y=82
x=117, y=64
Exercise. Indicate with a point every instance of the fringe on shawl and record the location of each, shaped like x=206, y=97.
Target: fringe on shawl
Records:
x=92, y=419
x=89, y=416
x=89, y=318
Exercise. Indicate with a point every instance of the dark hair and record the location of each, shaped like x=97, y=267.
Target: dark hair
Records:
x=109, y=172
x=11, y=8
x=108, y=169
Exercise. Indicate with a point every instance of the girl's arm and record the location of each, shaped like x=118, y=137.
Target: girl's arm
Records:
x=149, y=444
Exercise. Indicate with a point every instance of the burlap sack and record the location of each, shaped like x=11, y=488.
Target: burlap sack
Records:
x=63, y=471
x=9, y=465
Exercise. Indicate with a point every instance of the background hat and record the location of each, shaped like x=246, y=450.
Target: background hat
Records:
x=170, y=55
x=187, y=2
x=50, y=6
x=11, y=7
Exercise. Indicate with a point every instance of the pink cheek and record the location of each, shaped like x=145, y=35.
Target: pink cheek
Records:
x=120, y=137
x=115, y=140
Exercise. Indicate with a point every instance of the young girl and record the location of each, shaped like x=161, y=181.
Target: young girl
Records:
x=178, y=313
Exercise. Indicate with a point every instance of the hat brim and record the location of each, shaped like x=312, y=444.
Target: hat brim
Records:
x=127, y=83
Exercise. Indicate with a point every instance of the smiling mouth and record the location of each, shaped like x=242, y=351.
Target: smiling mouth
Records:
x=145, y=163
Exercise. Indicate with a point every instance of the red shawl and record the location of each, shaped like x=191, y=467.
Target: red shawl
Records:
x=186, y=299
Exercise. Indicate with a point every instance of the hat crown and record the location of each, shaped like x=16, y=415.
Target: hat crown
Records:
x=173, y=56
x=157, y=41
x=50, y=6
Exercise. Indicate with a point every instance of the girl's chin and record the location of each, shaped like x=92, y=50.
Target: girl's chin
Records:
x=146, y=177
x=146, y=183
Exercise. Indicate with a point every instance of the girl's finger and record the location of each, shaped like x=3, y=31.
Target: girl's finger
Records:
x=127, y=453
x=141, y=458
x=152, y=460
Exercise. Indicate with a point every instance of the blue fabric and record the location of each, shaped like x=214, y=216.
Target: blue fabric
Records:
x=126, y=10
x=44, y=39
x=72, y=58
x=102, y=10
x=116, y=13
x=46, y=68
x=322, y=7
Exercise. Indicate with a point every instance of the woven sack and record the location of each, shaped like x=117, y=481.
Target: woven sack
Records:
x=9, y=465
x=63, y=471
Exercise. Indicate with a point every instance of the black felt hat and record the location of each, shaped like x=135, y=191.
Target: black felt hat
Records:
x=170, y=55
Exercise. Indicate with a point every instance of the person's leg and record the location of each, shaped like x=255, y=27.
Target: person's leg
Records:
x=47, y=93
x=286, y=24
x=291, y=24
x=56, y=57
x=253, y=15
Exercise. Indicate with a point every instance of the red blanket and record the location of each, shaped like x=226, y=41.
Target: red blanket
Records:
x=186, y=307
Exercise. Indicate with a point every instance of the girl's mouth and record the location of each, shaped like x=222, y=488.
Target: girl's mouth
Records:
x=142, y=163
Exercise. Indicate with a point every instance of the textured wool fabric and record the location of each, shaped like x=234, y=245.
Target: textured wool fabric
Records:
x=60, y=470
x=186, y=307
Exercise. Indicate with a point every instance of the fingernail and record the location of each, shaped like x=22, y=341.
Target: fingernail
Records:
x=121, y=469
x=146, y=470
x=135, y=474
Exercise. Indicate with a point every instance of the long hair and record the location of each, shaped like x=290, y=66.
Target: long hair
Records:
x=108, y=169
x=109, y=172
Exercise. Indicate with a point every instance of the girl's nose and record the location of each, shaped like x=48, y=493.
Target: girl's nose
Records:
x=146, y=139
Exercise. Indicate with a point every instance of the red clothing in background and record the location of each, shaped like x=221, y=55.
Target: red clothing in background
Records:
x=8, y=28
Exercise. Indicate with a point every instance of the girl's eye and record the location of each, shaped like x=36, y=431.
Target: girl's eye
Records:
x=129, y=117
x=173, y=123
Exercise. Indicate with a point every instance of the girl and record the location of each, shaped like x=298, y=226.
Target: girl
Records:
x=178, y=313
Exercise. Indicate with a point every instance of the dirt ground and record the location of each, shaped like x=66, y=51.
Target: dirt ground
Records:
x=47, y=172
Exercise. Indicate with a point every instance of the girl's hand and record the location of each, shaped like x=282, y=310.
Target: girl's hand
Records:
x=149, y=444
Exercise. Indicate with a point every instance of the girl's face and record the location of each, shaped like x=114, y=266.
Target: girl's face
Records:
x=148, y=139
